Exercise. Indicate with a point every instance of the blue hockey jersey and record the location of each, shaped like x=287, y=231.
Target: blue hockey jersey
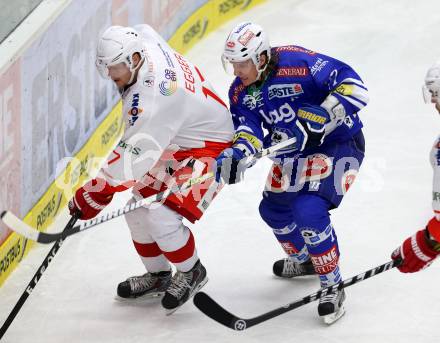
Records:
x=301, y=77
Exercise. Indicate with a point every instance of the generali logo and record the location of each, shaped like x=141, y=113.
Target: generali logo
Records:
x=292, y=71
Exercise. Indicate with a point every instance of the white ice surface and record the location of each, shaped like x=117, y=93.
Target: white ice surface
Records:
x=391, y=44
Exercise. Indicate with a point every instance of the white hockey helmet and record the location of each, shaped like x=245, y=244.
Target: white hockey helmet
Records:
x=246, y=41
x=431, y=88
x=117, y=45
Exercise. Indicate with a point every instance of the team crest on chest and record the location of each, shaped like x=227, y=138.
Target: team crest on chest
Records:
x=254, y=100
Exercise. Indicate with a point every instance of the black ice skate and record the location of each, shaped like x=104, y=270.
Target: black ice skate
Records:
x=184, y=286
x=331, y=306
x=146, y=286
x=287, y=268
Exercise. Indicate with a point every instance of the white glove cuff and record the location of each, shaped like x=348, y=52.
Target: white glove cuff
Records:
x=336, y=111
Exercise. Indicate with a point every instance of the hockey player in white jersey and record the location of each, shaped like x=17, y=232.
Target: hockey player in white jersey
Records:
x=420, y=250
x=175, y=125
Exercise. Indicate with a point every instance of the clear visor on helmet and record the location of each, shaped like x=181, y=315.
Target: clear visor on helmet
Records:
x=431, y=94
x=236, y=68
x=111, y=71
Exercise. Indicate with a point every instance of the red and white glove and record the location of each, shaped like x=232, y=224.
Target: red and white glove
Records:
x=416, y=251
x=91, y=198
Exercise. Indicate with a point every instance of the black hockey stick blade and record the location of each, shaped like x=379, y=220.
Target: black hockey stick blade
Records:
x=216, y=312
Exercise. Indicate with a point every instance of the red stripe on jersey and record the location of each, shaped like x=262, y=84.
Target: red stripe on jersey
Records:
x=200, y=74
x=207, y=92
x=147, y=249
x=182, y=254
x=114, y=159
x=211, y=149
x=124, y=186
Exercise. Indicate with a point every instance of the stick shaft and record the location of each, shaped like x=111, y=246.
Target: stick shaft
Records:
x=31, y=285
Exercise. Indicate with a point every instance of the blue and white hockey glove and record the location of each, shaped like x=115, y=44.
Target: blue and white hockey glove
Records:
x=230, y=166
x=310, y=126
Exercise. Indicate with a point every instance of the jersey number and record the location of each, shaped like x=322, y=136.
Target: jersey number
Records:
x=207, y=92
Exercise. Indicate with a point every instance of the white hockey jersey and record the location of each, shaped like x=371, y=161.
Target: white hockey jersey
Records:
x=435, y=162
x=170, y=107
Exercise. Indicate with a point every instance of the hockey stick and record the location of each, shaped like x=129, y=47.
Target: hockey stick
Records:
x=31, y=285
x=216, y=312
x=29, y=232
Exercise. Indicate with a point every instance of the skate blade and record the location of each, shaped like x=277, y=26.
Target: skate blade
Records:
x=195, y=290
x=142, y=298
x=333, y=317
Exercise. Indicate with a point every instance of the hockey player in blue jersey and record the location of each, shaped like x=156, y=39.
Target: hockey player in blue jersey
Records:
x=284, y=92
